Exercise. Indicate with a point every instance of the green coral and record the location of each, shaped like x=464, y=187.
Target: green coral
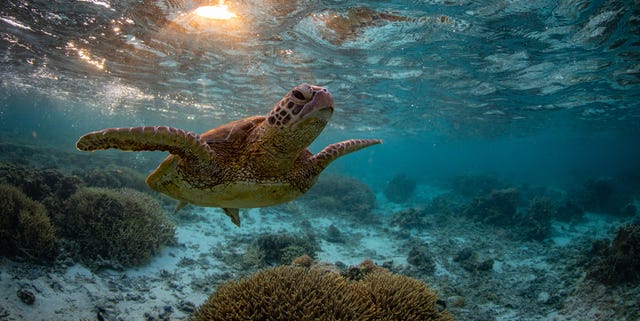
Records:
x=297, y=293
x=25, y=227
x=125, y=227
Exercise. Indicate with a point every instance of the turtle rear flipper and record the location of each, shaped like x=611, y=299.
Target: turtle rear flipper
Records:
x=187, y=145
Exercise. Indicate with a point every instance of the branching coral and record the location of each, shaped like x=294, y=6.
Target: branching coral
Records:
x=295, y=293
x=25, y=228
x=123, y=226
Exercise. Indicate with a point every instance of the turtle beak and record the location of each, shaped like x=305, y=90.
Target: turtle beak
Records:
x=320, y=105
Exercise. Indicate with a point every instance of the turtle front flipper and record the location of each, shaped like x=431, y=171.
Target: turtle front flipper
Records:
x=185, y=144
x=333, y=151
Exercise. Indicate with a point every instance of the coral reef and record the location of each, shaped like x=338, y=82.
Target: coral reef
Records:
x=48, y=186
x=25, y=227
x=275, y=249
x=114, y=178
x=421, y=217
x=497, y=208
x=535, y=222
x=400, y=188
x=341, y=195
x=122, y=227
x=295, y=293
x=617, y=262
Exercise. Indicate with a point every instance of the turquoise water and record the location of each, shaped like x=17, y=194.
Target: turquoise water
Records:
x=450, y=86
x=533, y=93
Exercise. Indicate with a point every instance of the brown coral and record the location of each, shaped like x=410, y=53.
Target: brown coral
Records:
x=25, y=228
x=124, y=227
x=295, y=293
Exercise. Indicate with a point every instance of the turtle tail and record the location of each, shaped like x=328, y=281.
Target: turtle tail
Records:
x=148, y=138
x=333, y=151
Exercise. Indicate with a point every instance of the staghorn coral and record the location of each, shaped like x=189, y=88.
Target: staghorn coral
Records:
x=124, y=227
x=25, y=227
x=400, y=188
x=344, y=196
x=296, y=293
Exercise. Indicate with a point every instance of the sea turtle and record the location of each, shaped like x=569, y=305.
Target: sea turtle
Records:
x=252, y=162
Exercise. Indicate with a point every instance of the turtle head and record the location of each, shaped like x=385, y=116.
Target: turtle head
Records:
x=300, y=116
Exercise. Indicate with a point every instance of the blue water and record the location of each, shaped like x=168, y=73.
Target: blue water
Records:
x=545, y=93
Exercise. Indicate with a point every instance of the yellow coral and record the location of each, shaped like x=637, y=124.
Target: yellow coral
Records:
x=296, y=293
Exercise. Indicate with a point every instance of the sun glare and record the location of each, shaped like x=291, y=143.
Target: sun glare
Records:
x=218, y=12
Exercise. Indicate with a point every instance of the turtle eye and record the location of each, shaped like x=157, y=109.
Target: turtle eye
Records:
x=296, y=93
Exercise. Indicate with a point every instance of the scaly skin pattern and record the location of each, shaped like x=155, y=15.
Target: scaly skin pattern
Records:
x=253, y=162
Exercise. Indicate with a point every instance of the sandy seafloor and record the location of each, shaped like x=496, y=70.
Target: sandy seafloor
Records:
x=528, y=280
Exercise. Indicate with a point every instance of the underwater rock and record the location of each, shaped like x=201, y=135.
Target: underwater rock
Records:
x=25, y=228
x=569, y=211
x=125, y=227
x=603, y=195
x=295, y=293
x=421, y=259
x=334, y=235
x=347, y=197
x=400, y=188
x=469, y=260
x=27, y=297
x=535, y=223
x=422, y=217
x=617, y=262
x=497, y=208
x=358, y=272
